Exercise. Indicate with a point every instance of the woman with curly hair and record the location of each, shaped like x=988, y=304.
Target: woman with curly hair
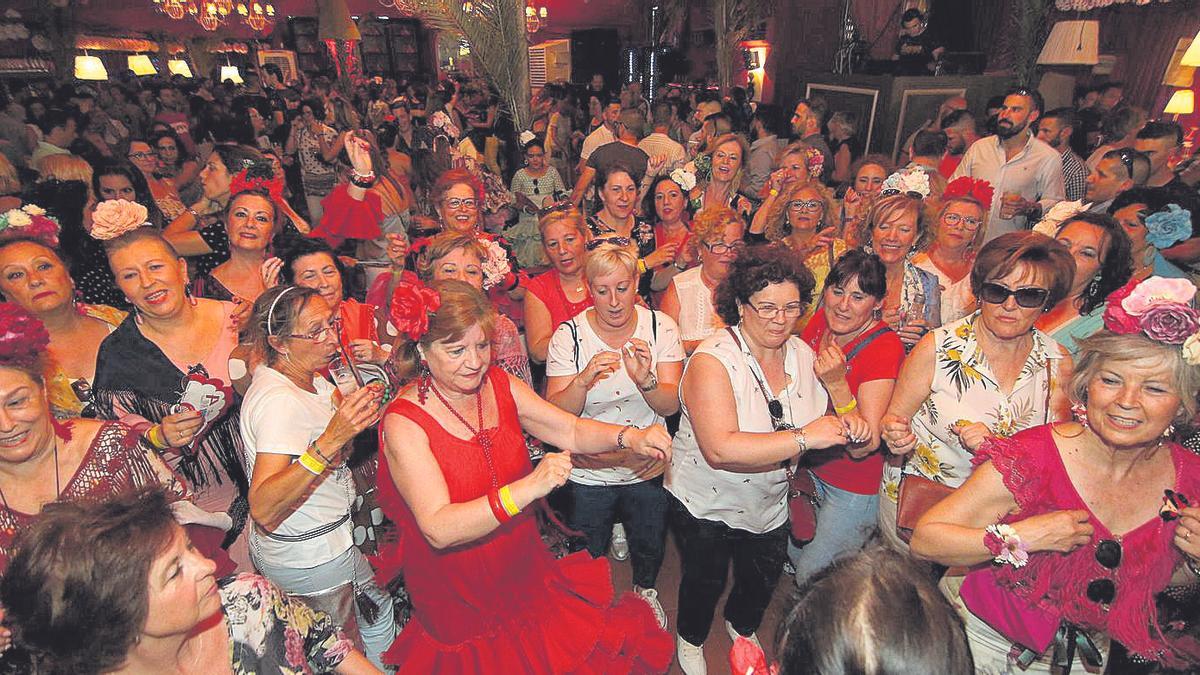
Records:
x=688, y=300
x=801, y=217
x=1103, y=263
x=751, y=405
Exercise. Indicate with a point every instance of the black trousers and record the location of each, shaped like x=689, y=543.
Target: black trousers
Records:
x=706, y=549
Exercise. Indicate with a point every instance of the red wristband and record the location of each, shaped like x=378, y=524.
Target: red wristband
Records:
x=493, y=497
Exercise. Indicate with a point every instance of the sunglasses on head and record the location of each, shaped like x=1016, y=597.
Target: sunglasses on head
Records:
x=888, y=192
x=1028, y=298
x=615, y=241
x=1127, y=155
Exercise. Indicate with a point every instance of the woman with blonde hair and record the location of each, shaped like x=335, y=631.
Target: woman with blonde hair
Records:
x=725, y=161
x=560, y=293
x=958, y=233
x=866, y=180
x=66, y=167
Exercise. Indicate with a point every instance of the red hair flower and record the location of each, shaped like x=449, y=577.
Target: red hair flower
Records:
x=1116, y=319
x=971, y=188
x=22, y=337
x=411, y=306
x=254, y=179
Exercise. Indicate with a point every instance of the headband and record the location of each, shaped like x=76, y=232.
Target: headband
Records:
x=271, y=309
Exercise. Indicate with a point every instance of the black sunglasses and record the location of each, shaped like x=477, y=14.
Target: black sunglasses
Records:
x=1108, y=554
x=1127, y=155
x=1029, y=298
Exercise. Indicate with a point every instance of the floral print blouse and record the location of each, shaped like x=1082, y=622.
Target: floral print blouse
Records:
x=270, y=632
x=965, y=390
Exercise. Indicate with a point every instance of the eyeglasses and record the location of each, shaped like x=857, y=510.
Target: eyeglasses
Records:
x=614, y=241
x=1108, y=555
x=769, y=312
x=721, y=248
x=805, y=205
x=965, y=221
x=456, y=203
x=1028, y=298
x=318, y=334
x=888, y=192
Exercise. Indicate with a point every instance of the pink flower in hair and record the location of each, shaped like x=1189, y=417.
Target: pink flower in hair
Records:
x=1157, y=290
x=115, y=217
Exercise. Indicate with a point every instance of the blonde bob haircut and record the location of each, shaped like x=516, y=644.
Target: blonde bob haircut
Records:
x=571, y=216
x=66, y=167
x=608, y=259
x=1104, y=347
x=710, y=223
x=888, y=207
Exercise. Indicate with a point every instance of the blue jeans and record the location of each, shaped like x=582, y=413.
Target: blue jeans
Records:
x=641, y=506
x=845, y=521
x=350, y=566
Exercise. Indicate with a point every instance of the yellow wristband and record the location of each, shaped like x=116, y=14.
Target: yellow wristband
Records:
x=312, y=464
x=506, y=500
x=157, y=438
x=641, y=266
x=773, y=192
x=842, y=410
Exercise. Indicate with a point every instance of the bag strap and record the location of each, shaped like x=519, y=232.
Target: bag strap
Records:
x=871, y=337
x=762, y=388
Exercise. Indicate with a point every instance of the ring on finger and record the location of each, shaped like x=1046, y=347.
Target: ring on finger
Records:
x=1187, y=534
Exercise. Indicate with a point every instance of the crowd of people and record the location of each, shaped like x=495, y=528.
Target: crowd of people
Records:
x=319, y=377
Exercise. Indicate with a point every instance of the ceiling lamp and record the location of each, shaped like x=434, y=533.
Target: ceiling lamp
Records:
x=140, y=65
x=535, y=18
x=1192, y=56
x=172, y=8
x=1072, y=43
x=90, y=68
x=179, y=67
x=256, y=15
x=231, y=73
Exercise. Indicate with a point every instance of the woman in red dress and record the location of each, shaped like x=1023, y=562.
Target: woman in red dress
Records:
x=487, y=595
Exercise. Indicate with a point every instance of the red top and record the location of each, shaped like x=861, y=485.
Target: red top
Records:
x=879, y=360
x=949, y=163
x=1034, y=473
x=349, y=218
x=502, y=604
x=547, y=287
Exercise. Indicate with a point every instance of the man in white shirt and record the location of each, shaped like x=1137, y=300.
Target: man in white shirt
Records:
x=604, y=134
x=1025, y=172
x=659, y=144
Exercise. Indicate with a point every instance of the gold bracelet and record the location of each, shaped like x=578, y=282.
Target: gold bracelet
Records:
x=849, y=407
x=506, y=500
x=312, y=464
x=773, y=192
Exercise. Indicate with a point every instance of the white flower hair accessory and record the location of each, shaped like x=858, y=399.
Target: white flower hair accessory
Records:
x=496, y=266
x=527, y=136
x=686, y=179
x=913, y=182
x=115, y=217
x=1059, y=214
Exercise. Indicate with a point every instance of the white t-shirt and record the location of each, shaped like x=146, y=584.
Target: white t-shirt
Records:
x=280, y=418
x=615, y=399
x=755, y=502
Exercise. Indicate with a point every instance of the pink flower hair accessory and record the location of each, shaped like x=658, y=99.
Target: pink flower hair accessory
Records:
x=1159, y=308
x=116, y=217
x=23, y=338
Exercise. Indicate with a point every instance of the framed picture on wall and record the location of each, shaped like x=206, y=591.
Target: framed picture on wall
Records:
x=861, y=101
x=918, y=106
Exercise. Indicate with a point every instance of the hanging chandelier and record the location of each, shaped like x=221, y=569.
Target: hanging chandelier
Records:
x=212, y=14
x=535, y=18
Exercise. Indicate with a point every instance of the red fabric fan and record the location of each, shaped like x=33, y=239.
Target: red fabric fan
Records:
x=348, y=218
x=973, y=188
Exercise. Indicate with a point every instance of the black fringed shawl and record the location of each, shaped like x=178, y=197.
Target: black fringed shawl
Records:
x=135, y=376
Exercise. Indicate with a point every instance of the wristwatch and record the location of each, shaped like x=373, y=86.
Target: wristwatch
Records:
x=650, y=385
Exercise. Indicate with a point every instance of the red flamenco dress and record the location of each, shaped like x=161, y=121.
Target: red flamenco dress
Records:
x=502, y=604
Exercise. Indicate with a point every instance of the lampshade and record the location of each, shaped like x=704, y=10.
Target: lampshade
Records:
x=90, y=68
x=231, y=73
x=1192, y=56
x=1183, y=102
x=179, y=67
x=1072, y=43
x=140, y=65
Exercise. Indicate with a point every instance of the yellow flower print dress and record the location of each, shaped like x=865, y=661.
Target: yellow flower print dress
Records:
x=964, y=390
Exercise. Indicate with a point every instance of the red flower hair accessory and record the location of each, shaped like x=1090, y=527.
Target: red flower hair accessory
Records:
x=22, y=337
x=972, y=188
x=29, y=221
x=411, y=306
x=257, y=178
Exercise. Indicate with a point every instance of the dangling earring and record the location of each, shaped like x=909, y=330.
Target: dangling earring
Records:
x=424, y=381
x=877, y=314
x=187, y=292
x=1093, y=289
x=77, y=301
x=1079, y=412
x=137, y=316
x=1169, y=431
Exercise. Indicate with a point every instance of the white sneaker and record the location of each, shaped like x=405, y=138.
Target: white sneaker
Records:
x=734, y=635
x=691, y=657
x=619, y=548
x=650, y=595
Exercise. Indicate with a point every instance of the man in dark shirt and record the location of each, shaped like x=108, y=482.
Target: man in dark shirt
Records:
x=623, y=151
x=807, y=121
x=916, y=50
